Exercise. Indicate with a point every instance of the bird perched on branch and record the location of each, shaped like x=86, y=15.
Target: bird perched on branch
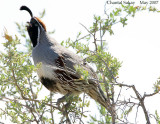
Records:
x=57, y=72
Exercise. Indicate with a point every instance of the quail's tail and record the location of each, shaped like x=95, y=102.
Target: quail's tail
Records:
x=97, y=94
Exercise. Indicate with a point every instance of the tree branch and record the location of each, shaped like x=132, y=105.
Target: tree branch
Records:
x=94, y=36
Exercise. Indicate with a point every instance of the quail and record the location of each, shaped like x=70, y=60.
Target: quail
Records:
x=57, y=71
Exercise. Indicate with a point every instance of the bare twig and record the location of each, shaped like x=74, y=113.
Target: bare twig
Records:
x=119, y=94
x=141, y=100
x=101, y=36
x=83, y=36
x=136, y=114
x=152, y=94
x=95, y=39
x=157, y=120
x=93, y=34
x=86, y=29
x=51, y=110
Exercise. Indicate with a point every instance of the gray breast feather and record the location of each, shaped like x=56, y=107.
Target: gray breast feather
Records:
x=58, y=57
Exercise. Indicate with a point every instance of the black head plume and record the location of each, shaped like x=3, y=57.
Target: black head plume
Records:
x=35, y=27
x=27, y=9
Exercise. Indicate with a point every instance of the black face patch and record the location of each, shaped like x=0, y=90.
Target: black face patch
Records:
x=33, y=33
x=34, y=29
x=49, y=84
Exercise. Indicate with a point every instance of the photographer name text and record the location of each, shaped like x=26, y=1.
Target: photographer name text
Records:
x=132, y=2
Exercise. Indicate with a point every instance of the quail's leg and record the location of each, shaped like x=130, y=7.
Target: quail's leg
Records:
x=62, y=99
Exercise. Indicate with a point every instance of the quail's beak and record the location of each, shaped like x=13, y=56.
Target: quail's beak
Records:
x=28, y=25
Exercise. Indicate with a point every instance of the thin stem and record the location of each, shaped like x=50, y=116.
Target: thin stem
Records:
x=51, y=111
x=93, y=34
x=136, y=114
x=142, y=104
x=101, y=36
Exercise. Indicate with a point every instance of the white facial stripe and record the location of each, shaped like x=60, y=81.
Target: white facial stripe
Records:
x=37, y=38
x=39, y=31
x=38, y=35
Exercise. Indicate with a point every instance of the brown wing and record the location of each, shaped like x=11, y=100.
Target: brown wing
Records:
x=65, y=72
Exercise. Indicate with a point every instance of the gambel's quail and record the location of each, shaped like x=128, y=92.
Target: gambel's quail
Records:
x=57, y=72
